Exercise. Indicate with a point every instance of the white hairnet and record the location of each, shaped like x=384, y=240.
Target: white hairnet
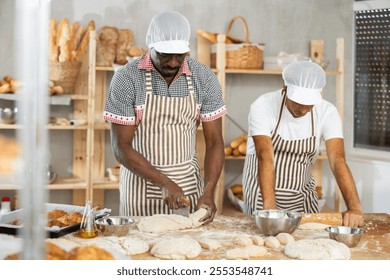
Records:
x=304, y=81
x=169, y=32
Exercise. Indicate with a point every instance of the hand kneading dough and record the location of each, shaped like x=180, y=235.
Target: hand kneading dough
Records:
x=313, y=226
x=272, y=242
x=317, y=249
x=245, y=253
x=171, y=222
x=176, y=248
x=285, y=238
x=134, y=246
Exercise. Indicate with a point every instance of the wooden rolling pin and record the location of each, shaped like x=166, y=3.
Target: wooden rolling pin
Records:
x=333, y=219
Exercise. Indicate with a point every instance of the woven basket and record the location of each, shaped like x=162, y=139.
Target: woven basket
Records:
x=244, y=55
x=65, y=74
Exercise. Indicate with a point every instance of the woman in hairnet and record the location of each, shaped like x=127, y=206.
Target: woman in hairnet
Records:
x=155, y=105
x=285, y=131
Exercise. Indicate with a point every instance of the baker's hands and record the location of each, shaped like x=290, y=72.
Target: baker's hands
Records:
x=353, y=218
x=208, y=204
x=173, y=196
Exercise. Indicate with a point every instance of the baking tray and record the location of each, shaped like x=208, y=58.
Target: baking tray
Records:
x=53, y=232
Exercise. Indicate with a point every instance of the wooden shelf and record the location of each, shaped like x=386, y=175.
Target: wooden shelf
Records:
x=10, y=126
x=67, y=127
x=104, y=68
x=106, y=184
x=68, y=184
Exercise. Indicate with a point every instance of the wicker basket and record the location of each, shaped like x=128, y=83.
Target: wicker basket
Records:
x=65, y=74
x=245, y=55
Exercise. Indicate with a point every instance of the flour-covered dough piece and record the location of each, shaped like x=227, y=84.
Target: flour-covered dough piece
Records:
x=209, y=244
x=258, y=240
x=285, y=238
x=244, y=253
x=272, y=242
x=317, y=249
x=164, y=223
x=196, y=216
x=134, y=246
x=307, y=226
x=244, y=241
x=176, y=248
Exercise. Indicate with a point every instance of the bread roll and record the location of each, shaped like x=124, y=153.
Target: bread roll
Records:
x=228, y=151
x=237, y=141
x=135, y=51
x=236, y=152
x=242, y=148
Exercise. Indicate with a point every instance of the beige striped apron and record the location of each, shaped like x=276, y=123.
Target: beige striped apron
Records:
x=295, y=185
x=166, y=136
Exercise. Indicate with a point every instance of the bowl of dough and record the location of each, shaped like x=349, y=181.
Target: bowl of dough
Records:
x=350, y=236
x=115, y=225
x=273, y=222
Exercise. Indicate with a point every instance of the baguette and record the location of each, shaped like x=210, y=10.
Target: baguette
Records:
x=59, y=29
x=77, y=37
x=228, y=151
x=53, y=47
x=6, y=88
x=84, y=41
x=63, y=43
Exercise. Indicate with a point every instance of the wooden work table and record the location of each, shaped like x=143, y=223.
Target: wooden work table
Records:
x=226, y=228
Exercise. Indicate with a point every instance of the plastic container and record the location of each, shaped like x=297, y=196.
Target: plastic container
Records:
x=5, y=205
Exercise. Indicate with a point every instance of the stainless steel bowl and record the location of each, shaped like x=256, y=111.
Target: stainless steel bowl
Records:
x=8, y=115
x=273, y=222
x=350, y=236
x=115, y=225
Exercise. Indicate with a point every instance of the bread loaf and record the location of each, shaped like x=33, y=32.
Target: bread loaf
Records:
x=84, y=41
x=228, y=151
x=237, y=141
x=242, y=148
x=53, y=47
x=236, y=152
x=135, y=51
x=125, y=40
x=65, y=37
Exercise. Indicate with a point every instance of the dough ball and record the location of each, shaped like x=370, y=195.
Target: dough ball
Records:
x=134, y=246
x=271, y=242
x=176, y=248
x=256, y=251
x=209, y=244
x=244, y=241
x=258, y=240
x=164, y=223
x=285, y=238
x=317, y=249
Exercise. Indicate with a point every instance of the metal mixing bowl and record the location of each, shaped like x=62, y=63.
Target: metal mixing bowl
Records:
x=115, y=225
x=350, y=236
x=8, y=115
x=273, y=222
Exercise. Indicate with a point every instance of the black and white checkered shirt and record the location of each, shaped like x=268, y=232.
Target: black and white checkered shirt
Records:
x=127, y=94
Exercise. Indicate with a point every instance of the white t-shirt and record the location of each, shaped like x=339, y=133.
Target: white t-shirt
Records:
x=264, y=114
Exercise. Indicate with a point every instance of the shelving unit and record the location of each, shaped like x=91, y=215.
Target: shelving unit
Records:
x=204, y=56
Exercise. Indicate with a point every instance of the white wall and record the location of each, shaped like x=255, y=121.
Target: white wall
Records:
x=283, y=25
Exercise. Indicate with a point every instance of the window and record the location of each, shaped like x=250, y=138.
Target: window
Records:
x=372, y=79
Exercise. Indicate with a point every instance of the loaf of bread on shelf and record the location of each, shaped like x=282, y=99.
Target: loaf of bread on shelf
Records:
x=106, y=46
x=238, y=140
x=53, y=47
x=228, y=151
x=82, y=47
x=242, y=148
x=125, y=40
x=135, y=51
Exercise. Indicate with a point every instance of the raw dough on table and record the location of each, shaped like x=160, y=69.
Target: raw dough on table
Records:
x=245, y=253
x=171, y=222
x=176, y=248
x=258, y=240
x=313, y=226
x=272, y=242
x=209, y=244
x=134, y=246
x=317, y=249
x=243, y=241
x=285, y=238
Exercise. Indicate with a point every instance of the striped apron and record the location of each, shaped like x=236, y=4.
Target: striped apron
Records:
x=166, y=137
x=294, y=183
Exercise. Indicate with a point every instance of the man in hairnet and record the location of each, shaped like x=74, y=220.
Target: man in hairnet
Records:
x=155, y=105
x=285, y=132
